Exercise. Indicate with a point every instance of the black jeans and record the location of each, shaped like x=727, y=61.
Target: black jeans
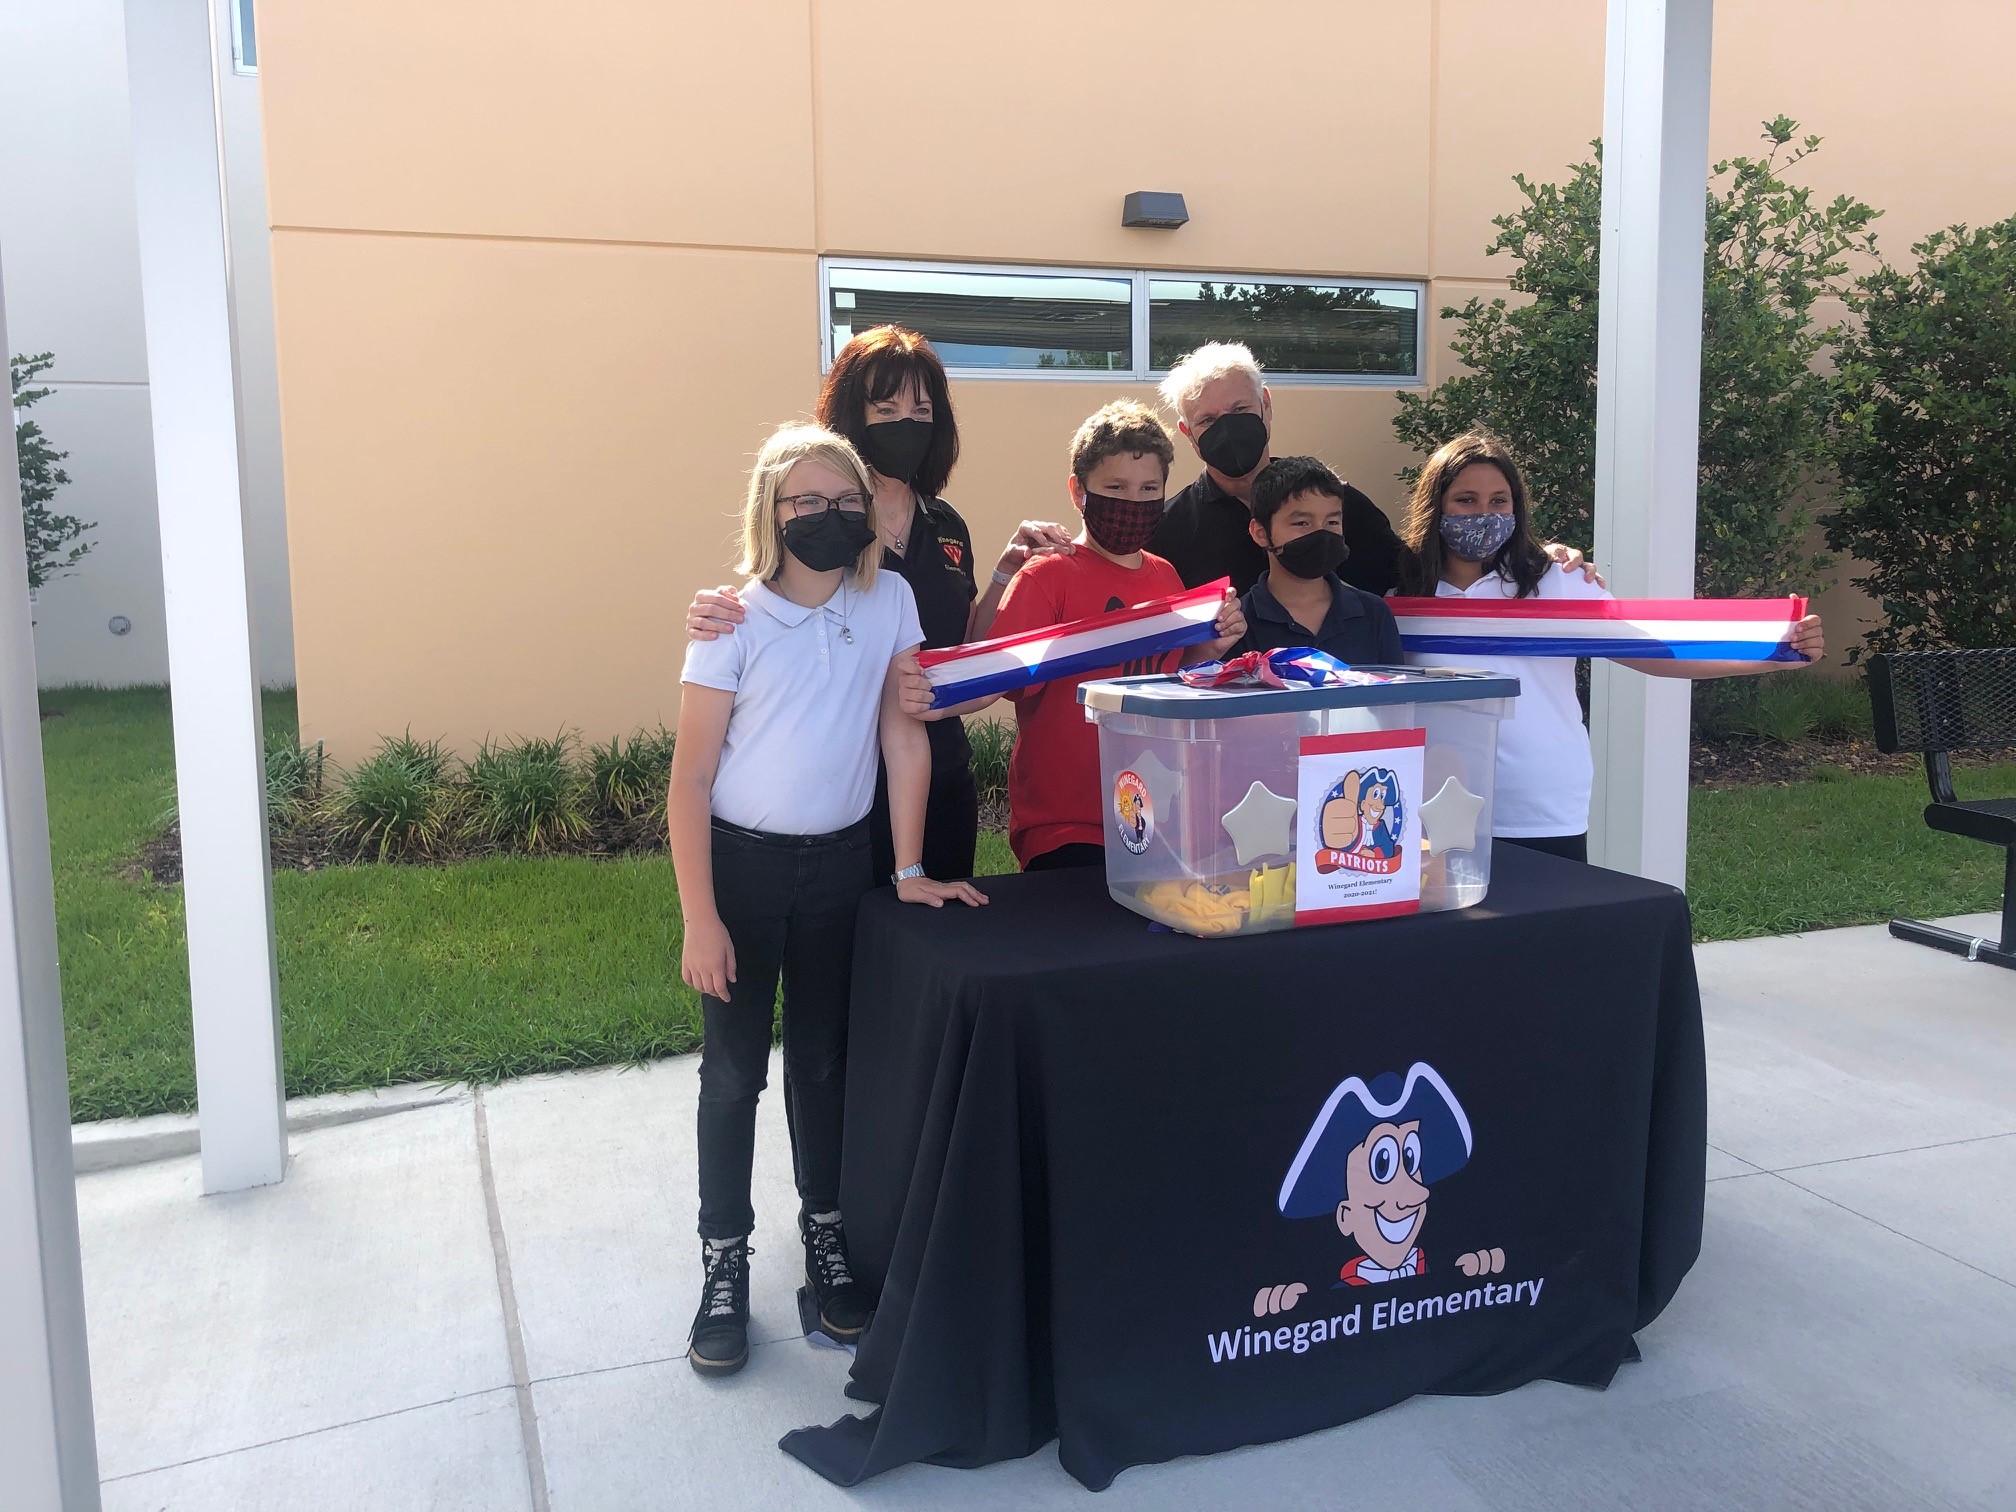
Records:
x=789, y=904
x=1568, y=847
x=951, y=825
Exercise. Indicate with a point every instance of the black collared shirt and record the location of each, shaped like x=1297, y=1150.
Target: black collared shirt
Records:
x=1359, y=629
x=1204, y=536
x=938, y=566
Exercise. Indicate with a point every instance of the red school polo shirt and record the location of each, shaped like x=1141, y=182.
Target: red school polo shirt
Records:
x=1054, y=792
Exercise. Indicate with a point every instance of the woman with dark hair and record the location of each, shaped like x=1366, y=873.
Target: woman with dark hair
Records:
x=887, y=394
x=1469, y=534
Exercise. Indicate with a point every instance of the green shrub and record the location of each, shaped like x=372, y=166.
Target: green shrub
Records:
x=1785, y=715
x=399, y=801
x=1926, y=449
x=528, y=793
x=628, y=779
x=1784, y=706
x=1840, y=706
x=53, y=540
x=1718, y=708
x=293, y=782
x=993, y=740
x=293, y=785
x=1772, y=254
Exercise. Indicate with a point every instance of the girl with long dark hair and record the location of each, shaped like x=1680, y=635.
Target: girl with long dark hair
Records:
x=1469, y=534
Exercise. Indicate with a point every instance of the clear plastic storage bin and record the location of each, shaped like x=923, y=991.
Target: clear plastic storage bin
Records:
x=1205, y=830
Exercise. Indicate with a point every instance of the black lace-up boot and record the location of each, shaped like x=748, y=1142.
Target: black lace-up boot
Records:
x=843, y=1302
x=720, y=1337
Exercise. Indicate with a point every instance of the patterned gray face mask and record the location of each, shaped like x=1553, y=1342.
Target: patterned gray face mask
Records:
x=1476, y=538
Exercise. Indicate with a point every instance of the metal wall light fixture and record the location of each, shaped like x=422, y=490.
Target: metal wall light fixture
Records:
x=1163, y=212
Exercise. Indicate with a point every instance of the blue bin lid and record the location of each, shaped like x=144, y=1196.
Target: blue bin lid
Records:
x=1166, y=696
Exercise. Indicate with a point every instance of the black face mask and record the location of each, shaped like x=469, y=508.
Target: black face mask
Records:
x=897, y=448
x=1234, y=444
x=1313, y=555
x=828, y=539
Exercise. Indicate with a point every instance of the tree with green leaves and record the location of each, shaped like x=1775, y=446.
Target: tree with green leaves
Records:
x=1926, y=450
x=1772, y=253
x=55, y=542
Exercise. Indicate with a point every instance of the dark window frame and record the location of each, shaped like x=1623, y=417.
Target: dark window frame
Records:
x=1140, y=281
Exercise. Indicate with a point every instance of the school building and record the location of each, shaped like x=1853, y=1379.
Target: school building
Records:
x=544, y=276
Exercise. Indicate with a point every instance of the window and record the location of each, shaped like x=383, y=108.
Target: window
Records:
x=1031, y=322
x=1063, y=323
x=244, y=38
x=1328, y=330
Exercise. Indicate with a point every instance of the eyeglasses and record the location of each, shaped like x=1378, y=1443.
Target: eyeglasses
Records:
x=812, y=503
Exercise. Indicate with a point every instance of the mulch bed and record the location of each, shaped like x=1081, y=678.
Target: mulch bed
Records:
x=1774, y=763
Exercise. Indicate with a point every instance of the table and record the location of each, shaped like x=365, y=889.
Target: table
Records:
x=1070, y=1141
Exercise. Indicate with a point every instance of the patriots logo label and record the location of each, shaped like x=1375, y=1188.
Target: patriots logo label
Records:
x=955, y=554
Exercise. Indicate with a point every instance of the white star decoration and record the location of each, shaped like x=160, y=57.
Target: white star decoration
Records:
x=1259, y=824
x=1449, y=819
x=1163, y=785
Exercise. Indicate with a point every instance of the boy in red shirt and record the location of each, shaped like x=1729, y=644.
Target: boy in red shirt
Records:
x=1119, y=468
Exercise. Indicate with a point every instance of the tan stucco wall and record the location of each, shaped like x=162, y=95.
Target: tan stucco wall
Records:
x=1017, y=131
x=521, y=461
x=544, y=278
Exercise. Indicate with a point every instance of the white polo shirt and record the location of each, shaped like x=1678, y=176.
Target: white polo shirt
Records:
x=1544, y=766
x=803, y=739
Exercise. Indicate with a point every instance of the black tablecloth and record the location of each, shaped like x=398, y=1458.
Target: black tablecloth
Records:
x=1068, y=1139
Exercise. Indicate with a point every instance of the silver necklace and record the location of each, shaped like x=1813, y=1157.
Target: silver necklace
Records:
x=846, y=632
x=899, y=543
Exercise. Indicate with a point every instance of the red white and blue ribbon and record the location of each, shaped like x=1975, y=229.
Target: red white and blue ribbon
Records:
x=984, y=668
x=1737, y=630
x=1288, y=667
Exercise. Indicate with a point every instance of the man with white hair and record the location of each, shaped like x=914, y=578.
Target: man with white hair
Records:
x=1224, y=410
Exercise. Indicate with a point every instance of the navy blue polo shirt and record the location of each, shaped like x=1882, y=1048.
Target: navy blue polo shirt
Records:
x=1359, y=629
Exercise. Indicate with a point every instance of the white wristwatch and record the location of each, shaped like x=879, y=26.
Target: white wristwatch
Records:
x=914, y=870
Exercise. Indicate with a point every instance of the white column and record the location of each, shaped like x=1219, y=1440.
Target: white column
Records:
x=219, y=769
x=1648, y=397
x=47, y=1446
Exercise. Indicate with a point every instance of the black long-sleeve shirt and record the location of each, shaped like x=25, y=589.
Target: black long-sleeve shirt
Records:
x=1204, y=536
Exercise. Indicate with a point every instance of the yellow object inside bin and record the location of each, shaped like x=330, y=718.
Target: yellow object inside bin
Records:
x=1223, y=905
x=1199, y=908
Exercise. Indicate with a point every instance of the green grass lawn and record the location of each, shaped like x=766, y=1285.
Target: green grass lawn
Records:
x=1835, y=849
x=503, y=967
x=387, y=973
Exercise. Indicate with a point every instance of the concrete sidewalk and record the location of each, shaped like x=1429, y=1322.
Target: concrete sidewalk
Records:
x=482, y=1304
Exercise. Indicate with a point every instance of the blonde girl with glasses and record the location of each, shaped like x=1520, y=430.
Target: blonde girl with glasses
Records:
x=780, y=729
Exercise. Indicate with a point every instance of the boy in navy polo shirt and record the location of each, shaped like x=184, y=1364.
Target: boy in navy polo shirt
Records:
x=1298, y=520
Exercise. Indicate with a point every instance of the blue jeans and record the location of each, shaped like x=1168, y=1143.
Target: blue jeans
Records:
x=788, y=902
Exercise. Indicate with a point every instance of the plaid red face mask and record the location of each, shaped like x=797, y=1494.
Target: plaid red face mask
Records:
x=1121, y=526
